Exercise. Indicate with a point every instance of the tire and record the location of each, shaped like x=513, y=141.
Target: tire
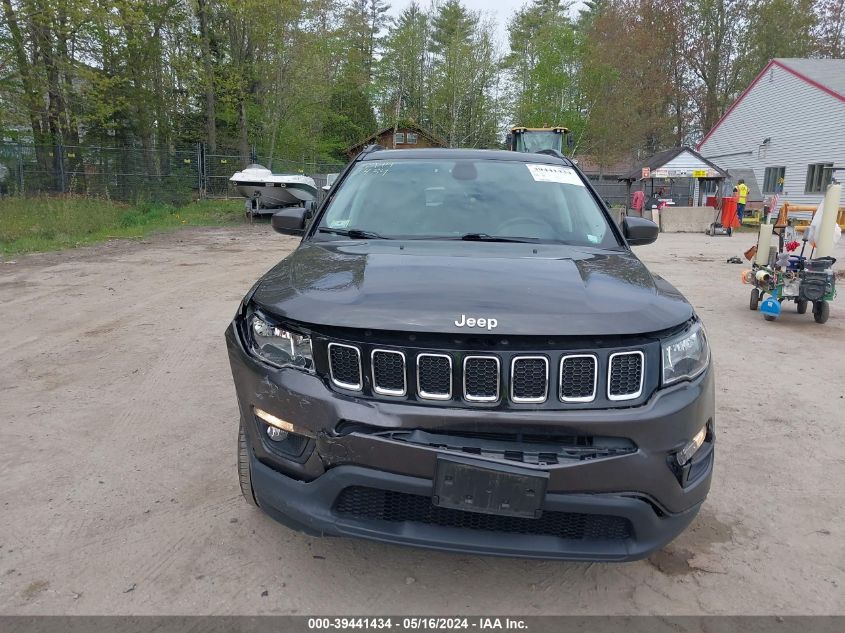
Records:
x=244, y=473
x=755, y=300
x=821, y=311
x=802, y=306
x=769, y=317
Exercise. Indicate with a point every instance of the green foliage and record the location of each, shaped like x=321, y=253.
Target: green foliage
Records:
x=779, y=28
x=439, y=69
x=349, y=119
x=46, y=224
x=545, y=65
x=300, y=80
x=403, y=72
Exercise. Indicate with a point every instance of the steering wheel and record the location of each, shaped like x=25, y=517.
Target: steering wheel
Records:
x=523, y=220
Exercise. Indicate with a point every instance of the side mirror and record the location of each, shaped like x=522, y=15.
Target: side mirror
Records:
x=290, y=221
x=639, y=231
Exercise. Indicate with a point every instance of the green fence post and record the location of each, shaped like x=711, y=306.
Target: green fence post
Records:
x=60, y=165
x=20, y=168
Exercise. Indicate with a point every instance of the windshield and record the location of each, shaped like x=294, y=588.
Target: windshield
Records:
x=534, y=141
x=466, y=199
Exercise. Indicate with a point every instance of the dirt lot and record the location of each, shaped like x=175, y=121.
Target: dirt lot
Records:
x=118, y=490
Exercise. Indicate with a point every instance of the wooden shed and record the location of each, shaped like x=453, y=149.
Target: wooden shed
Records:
x=403, y=136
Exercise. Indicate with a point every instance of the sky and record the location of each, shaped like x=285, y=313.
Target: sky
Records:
x=500, y=10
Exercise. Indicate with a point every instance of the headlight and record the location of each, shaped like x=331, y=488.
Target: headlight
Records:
x=686, y=355
x=279, y=347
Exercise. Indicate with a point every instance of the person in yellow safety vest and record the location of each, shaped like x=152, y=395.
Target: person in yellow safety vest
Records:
x=741, y=190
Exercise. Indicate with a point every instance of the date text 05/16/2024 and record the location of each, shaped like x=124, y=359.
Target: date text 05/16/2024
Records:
x=429, y=623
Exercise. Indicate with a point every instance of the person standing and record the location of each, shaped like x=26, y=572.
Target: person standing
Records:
x=741, y=190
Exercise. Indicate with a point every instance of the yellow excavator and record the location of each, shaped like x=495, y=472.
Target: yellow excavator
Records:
x=535, y=139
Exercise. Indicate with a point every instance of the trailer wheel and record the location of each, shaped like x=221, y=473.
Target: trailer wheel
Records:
x=821, y=310
x=755, y=300
x=802, y=306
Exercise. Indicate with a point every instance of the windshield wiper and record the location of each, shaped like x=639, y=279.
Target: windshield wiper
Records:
x=355, y=234
x=485, y=237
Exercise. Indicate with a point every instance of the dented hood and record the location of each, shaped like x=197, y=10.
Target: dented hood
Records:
x=528, y=289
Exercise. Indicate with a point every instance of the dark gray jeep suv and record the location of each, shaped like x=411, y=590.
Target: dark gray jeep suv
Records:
x=464, y=354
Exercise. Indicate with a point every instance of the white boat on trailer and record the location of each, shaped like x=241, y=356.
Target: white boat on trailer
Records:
x=265, y=190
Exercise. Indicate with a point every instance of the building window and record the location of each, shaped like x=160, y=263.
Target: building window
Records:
x=818, y=177
x=773, y=179
x=399, y=138
x=411, y=139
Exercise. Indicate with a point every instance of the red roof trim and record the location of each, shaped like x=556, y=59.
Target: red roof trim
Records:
x=773, y=62
x=816, y=84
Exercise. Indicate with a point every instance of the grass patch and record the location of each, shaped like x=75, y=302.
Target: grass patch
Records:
x=47, y=224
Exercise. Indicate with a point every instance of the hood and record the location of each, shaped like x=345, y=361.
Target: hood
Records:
x=446, y=287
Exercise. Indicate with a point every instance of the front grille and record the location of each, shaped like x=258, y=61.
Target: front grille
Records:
x=481, y=378
x=625, y=381
x=388, y=372
x=434, y=376
x=395, y=507
x=345, y=366
x=529, y=379
x=494, y=377
x=578, y=377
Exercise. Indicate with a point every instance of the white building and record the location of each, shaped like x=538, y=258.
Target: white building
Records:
x=788, y=124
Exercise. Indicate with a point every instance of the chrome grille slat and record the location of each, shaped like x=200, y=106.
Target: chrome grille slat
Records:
x=478, y=375
x=345, y=366
x=526, y=385
x=388, y=369
x=579, y=375
x=482, y=378
x=434, y=376
x=625, y=375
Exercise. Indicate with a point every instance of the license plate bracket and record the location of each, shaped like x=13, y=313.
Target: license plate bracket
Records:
x=476, y=486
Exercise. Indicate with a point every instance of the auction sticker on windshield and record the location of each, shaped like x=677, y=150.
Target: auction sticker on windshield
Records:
x=554, y=173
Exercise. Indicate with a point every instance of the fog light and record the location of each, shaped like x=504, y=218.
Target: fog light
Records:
x=279, y=424
x=276, y=434
x=687, y=452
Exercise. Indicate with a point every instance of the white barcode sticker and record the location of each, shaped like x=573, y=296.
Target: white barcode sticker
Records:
x=554, y=173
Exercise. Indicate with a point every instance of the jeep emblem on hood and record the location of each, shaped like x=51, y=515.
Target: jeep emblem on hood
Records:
x=466, y=321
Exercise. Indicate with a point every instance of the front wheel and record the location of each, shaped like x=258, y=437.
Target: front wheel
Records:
x=821, y=310
x=769, y=317
x=802, y=306
x=244, y=472
x=755, y=299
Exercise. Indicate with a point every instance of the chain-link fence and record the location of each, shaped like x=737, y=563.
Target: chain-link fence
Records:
x=615, y=193
x=131, y=173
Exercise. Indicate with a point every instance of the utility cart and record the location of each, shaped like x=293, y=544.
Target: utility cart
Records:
x=802, y=280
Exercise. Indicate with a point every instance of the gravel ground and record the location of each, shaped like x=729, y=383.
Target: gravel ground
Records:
x=119, y=495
